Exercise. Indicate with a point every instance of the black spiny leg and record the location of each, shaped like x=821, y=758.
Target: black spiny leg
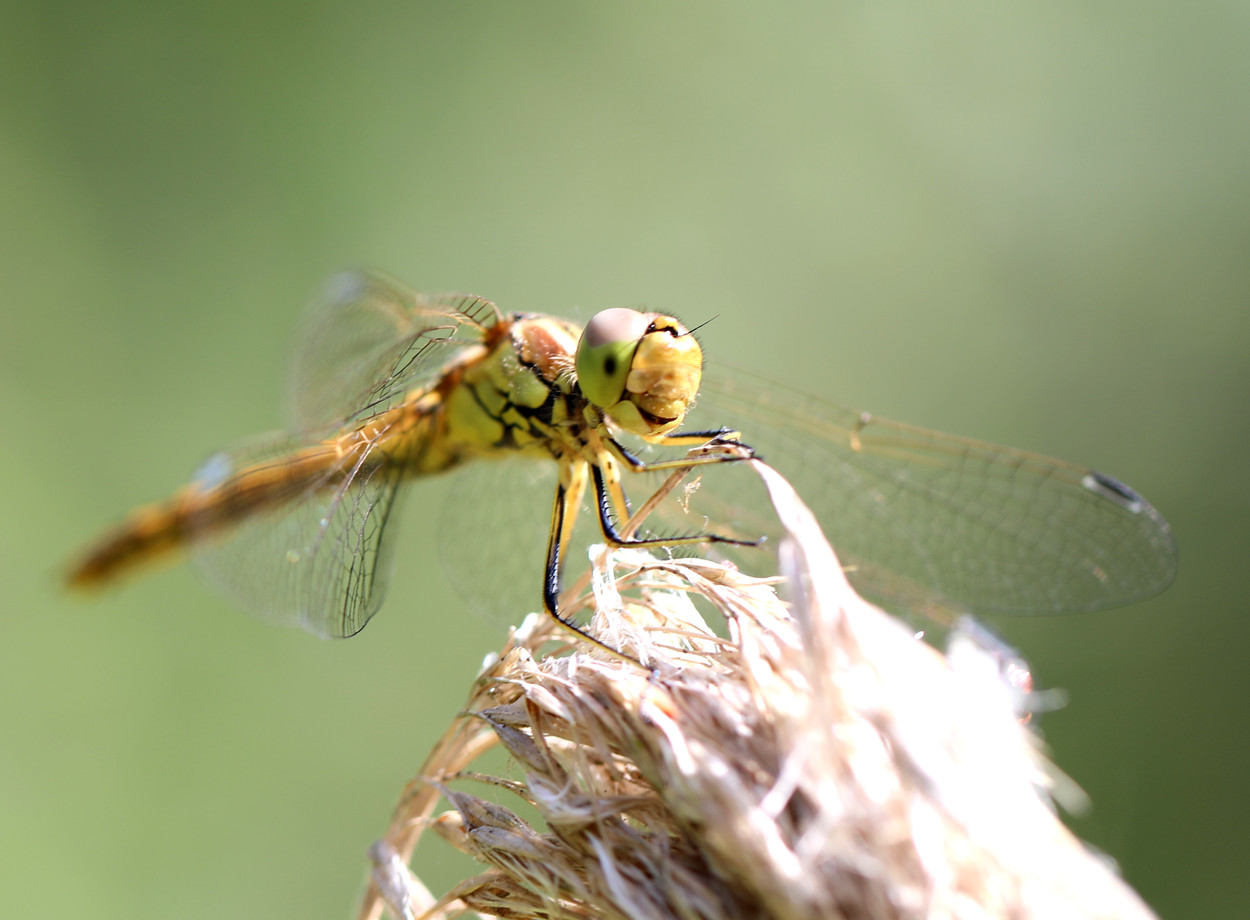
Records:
x=711, y=447
x=551, y=575
x=720, y=446
x=563, y=514
x=612, y=534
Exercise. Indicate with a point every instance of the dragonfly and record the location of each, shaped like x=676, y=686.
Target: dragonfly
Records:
x=389, y=385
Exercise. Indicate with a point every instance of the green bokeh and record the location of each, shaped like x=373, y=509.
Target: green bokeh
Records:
x=1028, y=224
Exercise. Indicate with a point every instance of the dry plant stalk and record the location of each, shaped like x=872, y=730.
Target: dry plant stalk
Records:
x=821, y=762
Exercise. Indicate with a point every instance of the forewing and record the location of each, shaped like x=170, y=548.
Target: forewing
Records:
x=367, y=341
x=927, y=520
x=321, y=557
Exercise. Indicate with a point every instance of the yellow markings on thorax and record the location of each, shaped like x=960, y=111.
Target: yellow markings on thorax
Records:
x=491, y=411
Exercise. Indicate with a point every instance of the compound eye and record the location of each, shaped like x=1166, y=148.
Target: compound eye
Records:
x=605, y=352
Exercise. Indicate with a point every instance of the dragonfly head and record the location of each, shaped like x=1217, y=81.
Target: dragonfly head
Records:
x=642, y=369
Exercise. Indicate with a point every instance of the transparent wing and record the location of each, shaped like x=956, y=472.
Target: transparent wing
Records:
x=927, y=521
x=368, y=340
x=320, y=556
x=492, y=534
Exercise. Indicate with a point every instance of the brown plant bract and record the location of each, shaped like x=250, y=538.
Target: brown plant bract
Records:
x=820, y=762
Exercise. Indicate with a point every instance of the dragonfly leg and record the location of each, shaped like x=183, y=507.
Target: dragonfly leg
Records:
x=610, y=497
x=551, y=574
x=679, y=438
x=569, y=491
x=613, y=503
x=563, y=515
x=720, y=446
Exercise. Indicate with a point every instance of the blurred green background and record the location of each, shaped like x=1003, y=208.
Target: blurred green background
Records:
x=1024, y=223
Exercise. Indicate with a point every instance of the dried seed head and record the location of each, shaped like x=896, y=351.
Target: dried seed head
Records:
x=819, y=762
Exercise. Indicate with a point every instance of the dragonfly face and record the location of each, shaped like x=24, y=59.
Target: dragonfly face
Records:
x=642, y=369
x=389, y=385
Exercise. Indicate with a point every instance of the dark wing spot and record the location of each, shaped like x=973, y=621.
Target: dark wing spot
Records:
x=1115, y=491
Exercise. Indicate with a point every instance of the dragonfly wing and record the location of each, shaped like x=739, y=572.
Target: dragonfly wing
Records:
x=320, y=559
x=493, y=535
x=368, y=340
x=925, y=519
